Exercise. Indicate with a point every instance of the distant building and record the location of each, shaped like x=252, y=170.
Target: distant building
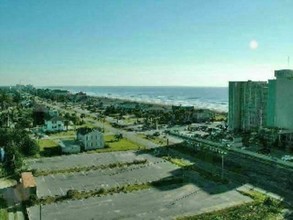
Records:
x=280, y=100
x=28, y=183
x=54, y=124
x=53, y=112
x=90, y=138
x=188, y=114
x=247, y=105
x=202, y=115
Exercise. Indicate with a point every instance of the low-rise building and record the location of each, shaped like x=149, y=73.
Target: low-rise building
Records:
x=29, y=186
x=54, y=124
x=90, y=139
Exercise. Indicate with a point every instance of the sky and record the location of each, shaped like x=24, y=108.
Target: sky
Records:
x=143, y=42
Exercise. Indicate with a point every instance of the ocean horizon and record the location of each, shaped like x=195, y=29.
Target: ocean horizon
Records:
x=215, y=98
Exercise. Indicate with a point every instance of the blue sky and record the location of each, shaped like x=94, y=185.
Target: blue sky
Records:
x=143, y=42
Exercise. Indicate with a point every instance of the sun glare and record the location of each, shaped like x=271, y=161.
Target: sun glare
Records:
x=253, y=44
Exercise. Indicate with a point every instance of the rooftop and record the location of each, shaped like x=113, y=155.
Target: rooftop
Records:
x=285, y=73
x=56, y=118
x=85, y=130
x=28, y=180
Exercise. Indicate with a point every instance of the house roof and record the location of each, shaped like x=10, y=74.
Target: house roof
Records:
x=28, y=180
x=86, y=130
x=56, y=118
x=68, y=144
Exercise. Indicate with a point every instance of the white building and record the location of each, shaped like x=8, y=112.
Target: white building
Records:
x=54, y=124
x=90, y=138
x=280, y=102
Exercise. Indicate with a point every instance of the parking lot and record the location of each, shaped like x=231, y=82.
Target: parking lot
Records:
x=145, y=204
x=59, y=184
x=195, y=196
x=85, y=160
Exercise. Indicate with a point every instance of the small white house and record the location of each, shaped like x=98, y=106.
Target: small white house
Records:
x=54, y=124
x=90, y=139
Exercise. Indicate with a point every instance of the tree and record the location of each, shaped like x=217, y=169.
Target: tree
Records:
x=13, y=161
x=118, y=136
x=72, y=193
x=24, y=122
x=29, y=147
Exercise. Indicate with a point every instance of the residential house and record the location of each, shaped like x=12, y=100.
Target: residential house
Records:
x=54, y=124
x=90, y=138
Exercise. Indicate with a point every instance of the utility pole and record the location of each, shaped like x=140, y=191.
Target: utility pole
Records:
x=222, y=175
x=40, y=211
x=222, y=153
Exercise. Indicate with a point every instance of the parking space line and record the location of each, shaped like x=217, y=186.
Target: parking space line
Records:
x=61, y=191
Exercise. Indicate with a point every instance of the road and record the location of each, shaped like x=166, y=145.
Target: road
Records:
x=223, y=147
x=129, y=135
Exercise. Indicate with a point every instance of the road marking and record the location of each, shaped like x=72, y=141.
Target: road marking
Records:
x=61, y=191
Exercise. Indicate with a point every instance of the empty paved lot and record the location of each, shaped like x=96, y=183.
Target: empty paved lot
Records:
x=146, y=204
x=59, y=184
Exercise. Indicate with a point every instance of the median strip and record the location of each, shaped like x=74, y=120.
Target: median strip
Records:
x=88, y=168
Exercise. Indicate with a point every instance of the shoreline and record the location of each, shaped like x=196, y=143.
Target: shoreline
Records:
x=153, y=104
x=223, y=106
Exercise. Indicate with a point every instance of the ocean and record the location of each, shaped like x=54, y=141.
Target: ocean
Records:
x=215, y=98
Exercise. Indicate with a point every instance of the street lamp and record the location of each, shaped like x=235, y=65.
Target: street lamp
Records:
x=222, y=153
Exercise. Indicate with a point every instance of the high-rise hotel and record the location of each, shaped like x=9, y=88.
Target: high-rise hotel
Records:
x=247, y=105
x=254, y=104
x=280, y=100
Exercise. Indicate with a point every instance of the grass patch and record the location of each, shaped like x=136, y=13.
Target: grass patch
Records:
x=3, y=214
x=202, y=172
x=263, y=207
x=177, y=161
x=63, y=133
x=220, y=117
x=154, y=139
x=3, y=209
x=47, y=143
x=122, y=144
